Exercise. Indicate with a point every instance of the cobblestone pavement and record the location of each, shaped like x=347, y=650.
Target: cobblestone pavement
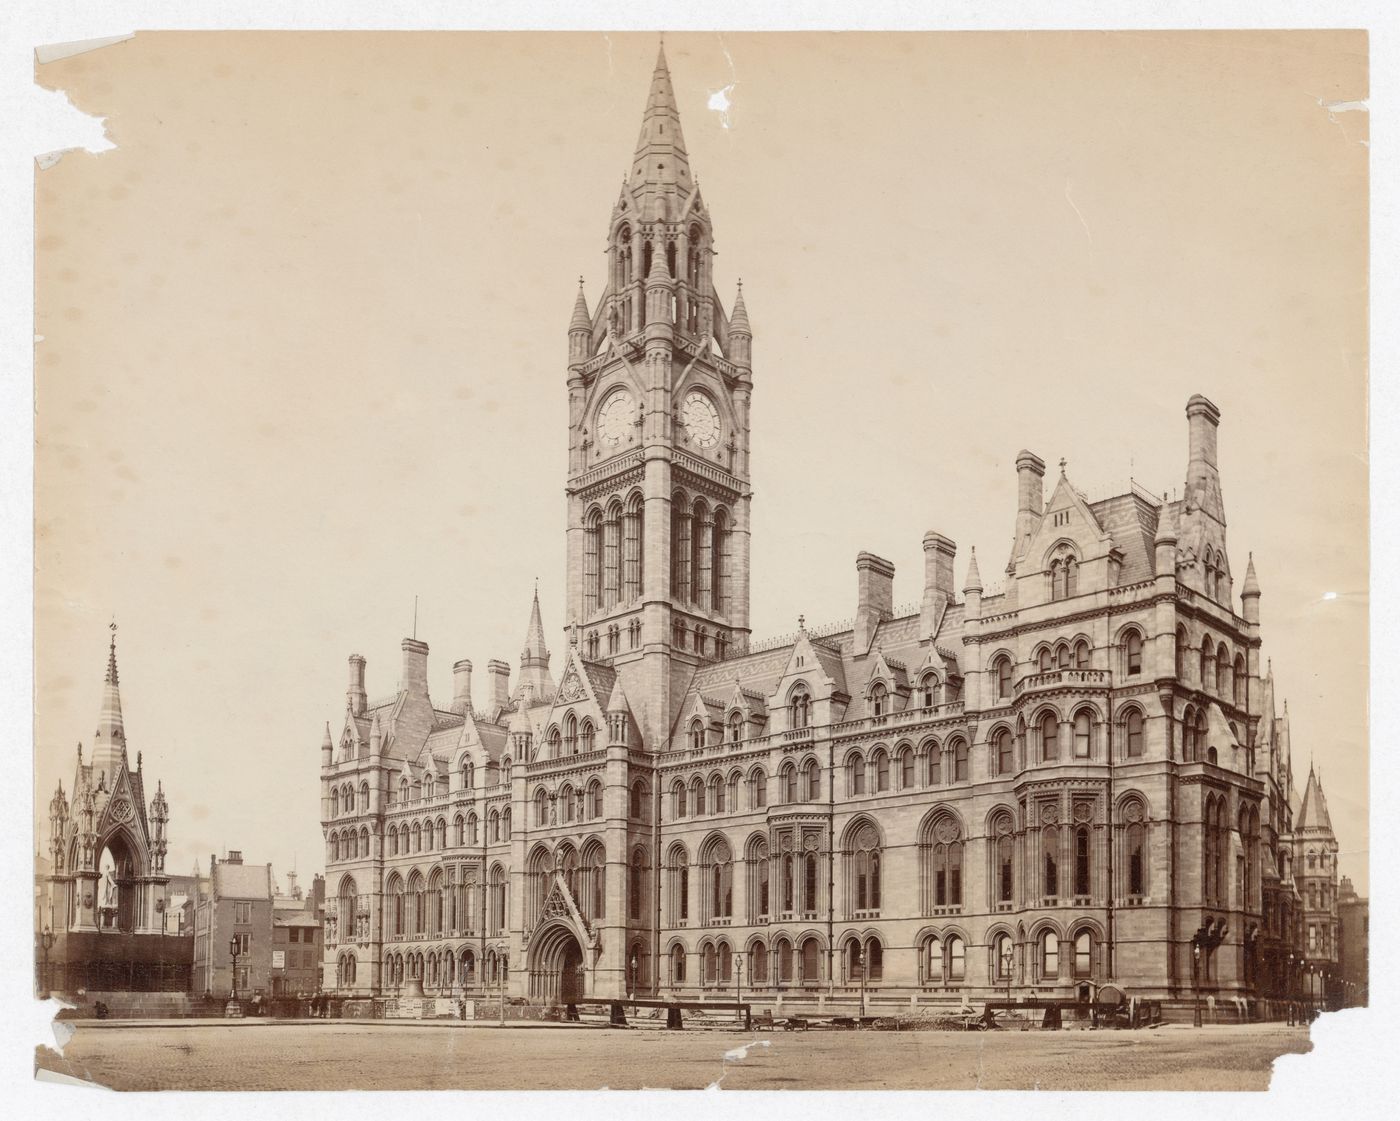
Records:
x=393, y=1057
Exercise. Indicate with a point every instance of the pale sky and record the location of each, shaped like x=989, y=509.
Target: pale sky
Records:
x=305, y=340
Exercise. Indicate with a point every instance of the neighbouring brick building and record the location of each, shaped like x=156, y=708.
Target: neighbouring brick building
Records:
x=1072, y=777
x=1353, y=946
x=235, y=902
x=296, y=939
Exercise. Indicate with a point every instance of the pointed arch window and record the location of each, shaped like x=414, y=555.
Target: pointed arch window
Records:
x=1049, y=956
x=1132, y=653
x=960, y=772
x=1133, y=731
x=928, y=690
x=1050, y=843
x=1003, y=676
x=1082, y=884
x=856, y=769
x=1135, y=841
x=863, y=870
x=697, y=734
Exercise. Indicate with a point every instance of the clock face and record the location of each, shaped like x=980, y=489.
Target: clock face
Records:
x=701, y=419
x=615, y=418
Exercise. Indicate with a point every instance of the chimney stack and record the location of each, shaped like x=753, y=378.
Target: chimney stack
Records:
x=939, y=552
x=235, y=856
x=355, y=693
x=462, y=687
x=1030, y=497
x=498, y=678
x=875, y=597
x=415, y=667
x=1202, y=475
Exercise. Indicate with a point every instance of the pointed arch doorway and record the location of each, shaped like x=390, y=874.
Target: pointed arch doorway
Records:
x=555, y=965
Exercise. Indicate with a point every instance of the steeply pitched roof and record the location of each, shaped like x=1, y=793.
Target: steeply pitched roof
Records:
x=1313, y=815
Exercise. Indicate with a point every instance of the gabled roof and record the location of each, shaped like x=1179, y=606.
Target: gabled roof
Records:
x=1132, y=523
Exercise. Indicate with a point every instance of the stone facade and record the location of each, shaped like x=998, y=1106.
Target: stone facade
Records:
x=1075, y=778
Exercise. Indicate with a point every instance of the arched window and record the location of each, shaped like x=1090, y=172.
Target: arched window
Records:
x=1241, y=681
x=335, y=802
x=906, y=768
x=1222, y=670
x=1084, y=954
x=1050, y=842
x=1003, y=678
x=635, y=808
x=1049, y=956
x=1063, y=657
x=1049, y=737
x=586, y=736
x=758, y=789
x=592, y=569
x=799, y=708
x=783, y=952
x=1083, y=734
x=1001, y=753
x=1133, y=731
x=1002, y=957
x=809, y=884
x=811, y=781
x=957, y=959
x=736, y=726
x=1207, y=658
x=1132, y=653
x=678, y=965
x=1135, y=841
x=1081, y=861
x=758, y=880
x=789, y=783
x=678, y=796
x=960, y=773
x=758, y=964
x=716, y=794
x=636, y=879
x=928, y=690
x=632, y=548
x=933, y=762
x=931, y=963
x=697, y=796
x=811, y=963
x=879, y=700
x=941, y=851
x=678, y=885
x=459, y=830
x=882, y=771
x=566, y=804
x=697, y=734
x=717, y=868
x=863, y=870
x=1181, y=648
x=855, y=769
x=541, y=807
x=1005, y=860
x=1081, y=655
x=1046, y=661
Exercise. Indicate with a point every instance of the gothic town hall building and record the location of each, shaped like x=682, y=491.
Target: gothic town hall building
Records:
x=1073, y=780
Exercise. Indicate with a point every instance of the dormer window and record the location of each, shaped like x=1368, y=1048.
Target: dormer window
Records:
x=697, y=734
x=736, y=726
x=879, y=700
x=928, y=687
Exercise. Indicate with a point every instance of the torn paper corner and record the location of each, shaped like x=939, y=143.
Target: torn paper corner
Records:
x=52, y=52
x=61, y=120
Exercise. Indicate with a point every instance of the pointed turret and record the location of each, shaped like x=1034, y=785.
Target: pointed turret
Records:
x=740, y=339
x=618, y=714
x=580, y=328
x=1313, y=815
x=327, y=746
x=1164, y=544
x=534, y=657
x=1249, y=594
x=110, y=746
x=973, y=583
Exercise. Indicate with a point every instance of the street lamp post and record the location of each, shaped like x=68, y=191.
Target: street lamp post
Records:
x=632, y=976
x=501, y=975
x=233, y=948
x=1007, y=960
x=1196, y=982
x=46, y=939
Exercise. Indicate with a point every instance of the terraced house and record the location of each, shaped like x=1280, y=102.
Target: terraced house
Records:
x=1074, y=778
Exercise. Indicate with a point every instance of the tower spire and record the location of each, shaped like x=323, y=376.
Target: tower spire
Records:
x=534, y=658
x=660, y=161
x=110, y=745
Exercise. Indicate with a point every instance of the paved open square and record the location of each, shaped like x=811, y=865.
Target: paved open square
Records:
x=334, y=1056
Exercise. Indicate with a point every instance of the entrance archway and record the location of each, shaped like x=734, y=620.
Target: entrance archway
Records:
x=556, y=971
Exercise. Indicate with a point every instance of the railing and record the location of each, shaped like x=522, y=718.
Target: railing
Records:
x=1062, y=677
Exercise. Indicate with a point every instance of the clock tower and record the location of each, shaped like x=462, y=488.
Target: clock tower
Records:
x=660, y=383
